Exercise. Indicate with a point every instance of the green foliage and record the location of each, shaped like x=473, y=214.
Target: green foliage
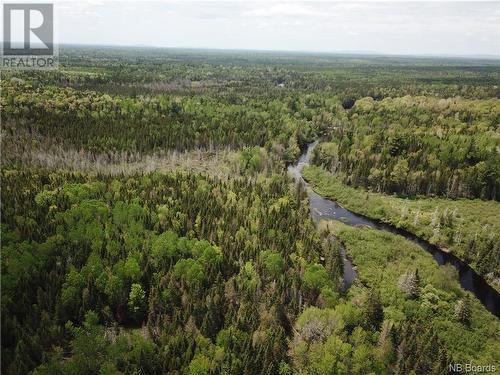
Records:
x=201, y=123
x=164, y=249
x=409, y=283
x=316, y=277
x=469, y=228
x=381, y=265
x=132, y=269
x=181, y=273
x=111, y=260
x=373, y=312
x=189, y=271
x=137, y=301
x=418, y=145
x=463, y=311
x=273, y=264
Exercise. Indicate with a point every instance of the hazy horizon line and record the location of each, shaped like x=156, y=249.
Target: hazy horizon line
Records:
x=313, y=52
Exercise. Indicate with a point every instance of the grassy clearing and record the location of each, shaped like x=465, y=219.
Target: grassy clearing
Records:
x=382, y=258
x=34, y=150
x=220, y=163
x=468, y=228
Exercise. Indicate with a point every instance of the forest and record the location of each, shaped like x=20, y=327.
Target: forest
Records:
x=419, y=146
x=149, y=225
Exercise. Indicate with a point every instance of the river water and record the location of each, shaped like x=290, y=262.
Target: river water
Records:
x=325, y=209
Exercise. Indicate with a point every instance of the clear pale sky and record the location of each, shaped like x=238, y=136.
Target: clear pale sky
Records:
x=398, y=27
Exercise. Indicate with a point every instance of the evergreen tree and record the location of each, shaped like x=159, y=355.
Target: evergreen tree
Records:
x=373, y=312
x=463, y=311
x=409, y=283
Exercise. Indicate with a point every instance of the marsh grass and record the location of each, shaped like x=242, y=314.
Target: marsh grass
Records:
x=461, y=226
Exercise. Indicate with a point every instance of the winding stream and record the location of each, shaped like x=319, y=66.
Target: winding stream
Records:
x=324, y=209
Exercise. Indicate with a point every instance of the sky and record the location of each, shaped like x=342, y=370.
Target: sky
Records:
x=396, y=27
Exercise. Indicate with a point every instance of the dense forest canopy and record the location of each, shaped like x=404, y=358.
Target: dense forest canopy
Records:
x=419, y=145
x=149, y=226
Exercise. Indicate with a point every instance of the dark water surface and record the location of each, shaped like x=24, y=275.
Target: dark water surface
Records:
x=325, y=209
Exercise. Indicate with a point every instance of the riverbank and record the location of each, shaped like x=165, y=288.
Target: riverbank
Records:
x=467, y=228
x=382, y=258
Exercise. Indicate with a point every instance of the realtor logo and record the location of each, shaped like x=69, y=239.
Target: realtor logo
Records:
x=28, y=29
x=28, y=36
